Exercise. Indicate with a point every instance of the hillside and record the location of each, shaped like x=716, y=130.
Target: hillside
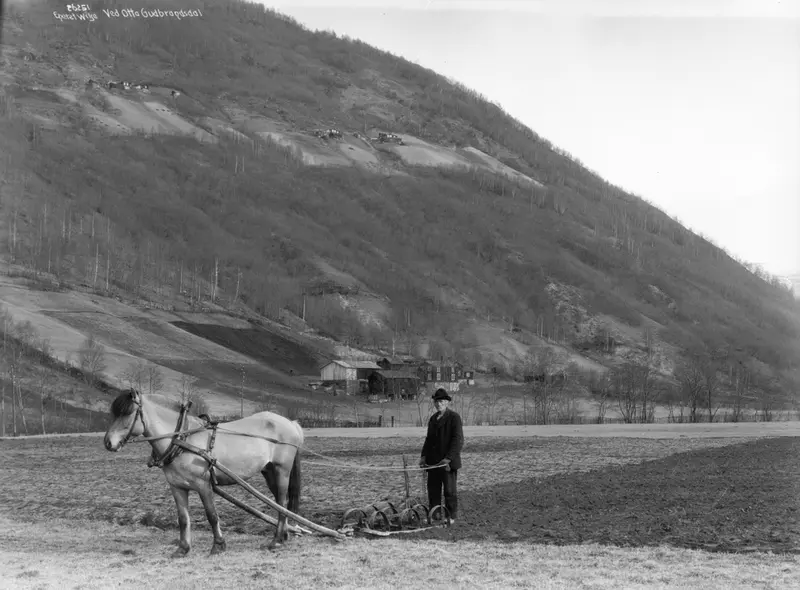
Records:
x=475, y=238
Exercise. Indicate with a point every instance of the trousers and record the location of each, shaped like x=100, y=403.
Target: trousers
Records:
x=438, y=479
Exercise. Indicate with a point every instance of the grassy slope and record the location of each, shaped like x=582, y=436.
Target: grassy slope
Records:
x=167, y=207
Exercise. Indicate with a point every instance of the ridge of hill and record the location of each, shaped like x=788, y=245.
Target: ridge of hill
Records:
x=208, y=189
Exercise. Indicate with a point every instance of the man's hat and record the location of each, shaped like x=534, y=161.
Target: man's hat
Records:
x=441, y=393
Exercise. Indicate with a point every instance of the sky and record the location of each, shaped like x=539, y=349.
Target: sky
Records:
x=693, y=105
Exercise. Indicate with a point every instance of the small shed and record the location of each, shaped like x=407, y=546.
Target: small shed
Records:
x=354, y=373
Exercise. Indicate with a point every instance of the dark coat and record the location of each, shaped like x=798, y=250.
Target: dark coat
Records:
x=444, y=440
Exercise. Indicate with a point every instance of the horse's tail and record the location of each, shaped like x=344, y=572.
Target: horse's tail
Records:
x=294, y=484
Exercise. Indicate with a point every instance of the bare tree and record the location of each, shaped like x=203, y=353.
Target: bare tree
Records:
x=155, y=380
x=423, y=400
x=600, y=388
x=710, y=369
x=92, y=359
x=691, y=379
x=567, y=409
x=14, y=359
x=546, y=383
x=134, y=375
x=45, y=378
x=634, y=387
x=623, y=382
x=465, y=406
x=741, y=384
x=188, y=388
x=767, y=387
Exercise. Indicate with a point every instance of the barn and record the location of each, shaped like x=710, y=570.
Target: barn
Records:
x=353, y=375
x=394, y=384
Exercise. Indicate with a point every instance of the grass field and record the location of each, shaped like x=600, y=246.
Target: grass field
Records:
x=550, y=512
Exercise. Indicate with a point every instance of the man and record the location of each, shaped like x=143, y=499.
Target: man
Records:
x=442, y=446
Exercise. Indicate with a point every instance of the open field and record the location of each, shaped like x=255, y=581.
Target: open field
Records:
x=101, y=555
x=638, y=501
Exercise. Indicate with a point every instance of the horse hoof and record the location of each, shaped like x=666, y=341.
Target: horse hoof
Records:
x=218, y=548
x=179, y=553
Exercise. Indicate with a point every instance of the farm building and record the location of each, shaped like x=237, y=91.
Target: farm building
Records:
x=400, y=384
x=441, y=371
x=449, y=375
x=393, y=364
x=353, y=375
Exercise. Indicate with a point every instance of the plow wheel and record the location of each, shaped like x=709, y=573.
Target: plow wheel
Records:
x=356, y=515
x=379, y=520
x=387, y=507
x=414, y=502
x=422, y=512
x=439, y=513
x=410, y=518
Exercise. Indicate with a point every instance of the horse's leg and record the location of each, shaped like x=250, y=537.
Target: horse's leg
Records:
x=207, y=497
x=182, y=503
x=278, y=482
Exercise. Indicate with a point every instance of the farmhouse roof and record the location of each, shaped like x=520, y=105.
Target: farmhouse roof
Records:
x=350, y=364
x=443, y=363
x=395, y=360
x=363, y=364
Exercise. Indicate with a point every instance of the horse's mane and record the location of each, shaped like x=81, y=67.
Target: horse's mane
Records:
x=123, y=404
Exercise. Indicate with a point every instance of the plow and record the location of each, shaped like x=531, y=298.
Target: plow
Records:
x=382, y=518
x=386, y=518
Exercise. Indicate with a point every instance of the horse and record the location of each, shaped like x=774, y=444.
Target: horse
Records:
x=265, y=443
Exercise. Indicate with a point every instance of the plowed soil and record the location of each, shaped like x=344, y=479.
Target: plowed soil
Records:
x=701, y=493
x=262, y=345
x=737, y=498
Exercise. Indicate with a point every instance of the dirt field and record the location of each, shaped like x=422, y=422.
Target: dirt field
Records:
x=743, y=430
x=152, y=117
x=522, y=499
x=262, y=345
x=417, y=152
x=60, y=555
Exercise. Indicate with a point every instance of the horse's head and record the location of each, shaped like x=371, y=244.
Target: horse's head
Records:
x=126, y=410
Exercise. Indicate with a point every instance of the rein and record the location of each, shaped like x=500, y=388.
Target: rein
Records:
x=176, y=448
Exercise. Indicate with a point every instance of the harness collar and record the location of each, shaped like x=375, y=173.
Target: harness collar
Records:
x=173, y=450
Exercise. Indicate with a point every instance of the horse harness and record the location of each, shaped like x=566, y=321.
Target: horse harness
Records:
x=173, y=450
x=178, y=442
x=212, y=424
